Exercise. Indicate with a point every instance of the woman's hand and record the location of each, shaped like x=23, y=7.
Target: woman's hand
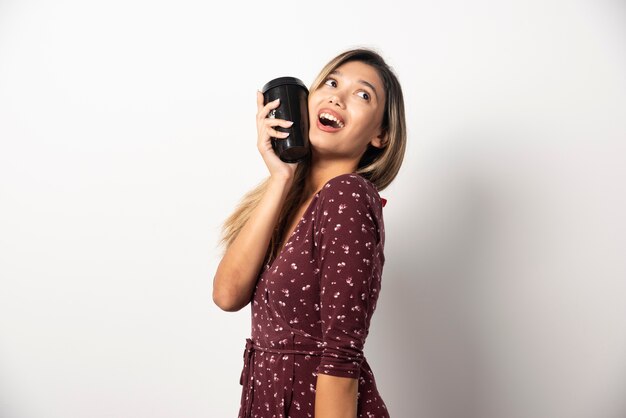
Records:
x=265, y=129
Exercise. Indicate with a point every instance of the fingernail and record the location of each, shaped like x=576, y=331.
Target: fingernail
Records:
x=290, y=122
x=277, y=100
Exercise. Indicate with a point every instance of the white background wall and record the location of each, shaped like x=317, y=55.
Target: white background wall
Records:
x=127, y=135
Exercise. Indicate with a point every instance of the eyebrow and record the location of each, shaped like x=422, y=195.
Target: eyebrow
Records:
x=368, y=84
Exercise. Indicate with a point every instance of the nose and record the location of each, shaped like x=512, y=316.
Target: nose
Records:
x=334, y=99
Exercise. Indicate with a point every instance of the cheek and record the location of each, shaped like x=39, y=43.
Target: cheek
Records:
x=312, y=98
x=366, y=119
x=375, y=118
x=310, y=107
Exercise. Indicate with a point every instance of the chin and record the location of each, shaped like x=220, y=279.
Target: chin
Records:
x=319, y=144
x=313, y=139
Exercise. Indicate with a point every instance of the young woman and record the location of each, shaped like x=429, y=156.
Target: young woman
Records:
x=306, y=248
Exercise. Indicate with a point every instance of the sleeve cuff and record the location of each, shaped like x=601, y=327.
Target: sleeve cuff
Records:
x=340, y=365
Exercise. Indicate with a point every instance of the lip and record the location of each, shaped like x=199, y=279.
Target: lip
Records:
x=332, y=112
x=325, y=128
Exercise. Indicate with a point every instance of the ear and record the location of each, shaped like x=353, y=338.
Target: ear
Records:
x=381, y=140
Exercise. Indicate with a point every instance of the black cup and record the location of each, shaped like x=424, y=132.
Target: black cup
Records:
x=294, y=106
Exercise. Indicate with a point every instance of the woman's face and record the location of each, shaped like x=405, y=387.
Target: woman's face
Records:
x=346, y=112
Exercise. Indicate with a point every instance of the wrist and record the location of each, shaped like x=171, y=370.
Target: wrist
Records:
x=281, y=180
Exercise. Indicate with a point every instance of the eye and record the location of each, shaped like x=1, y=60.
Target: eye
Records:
x=366, y=95
x=330, y=80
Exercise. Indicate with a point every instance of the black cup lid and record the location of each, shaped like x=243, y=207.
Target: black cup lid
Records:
x=283, y=80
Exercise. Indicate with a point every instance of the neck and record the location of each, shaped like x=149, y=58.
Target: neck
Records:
x=323, y=170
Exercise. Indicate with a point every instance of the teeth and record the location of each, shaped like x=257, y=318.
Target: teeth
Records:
x=331, y=117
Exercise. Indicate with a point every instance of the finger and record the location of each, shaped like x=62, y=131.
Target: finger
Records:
x=278, y=122
x=273, y=104
x=259, y=100
x=263, y=112
x=277, y=134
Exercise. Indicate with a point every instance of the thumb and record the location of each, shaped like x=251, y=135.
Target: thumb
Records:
x=259, y=100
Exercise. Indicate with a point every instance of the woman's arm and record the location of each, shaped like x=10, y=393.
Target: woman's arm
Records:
x=238, y=270
x=349, y=248
x=335, y=397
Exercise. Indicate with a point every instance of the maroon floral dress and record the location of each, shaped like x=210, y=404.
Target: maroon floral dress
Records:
x=312, y=306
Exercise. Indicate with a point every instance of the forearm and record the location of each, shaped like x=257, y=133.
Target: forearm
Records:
x=236, y=273
x=336, y=397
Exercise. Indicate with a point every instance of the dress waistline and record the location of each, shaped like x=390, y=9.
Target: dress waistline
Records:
x=246, y=379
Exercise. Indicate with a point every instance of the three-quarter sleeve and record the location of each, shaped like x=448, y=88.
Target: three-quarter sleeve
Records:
x=349, y=242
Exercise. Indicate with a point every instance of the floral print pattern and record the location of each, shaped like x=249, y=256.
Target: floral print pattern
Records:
x=312, y=305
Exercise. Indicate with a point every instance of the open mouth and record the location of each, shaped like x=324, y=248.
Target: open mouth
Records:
x=327, y=119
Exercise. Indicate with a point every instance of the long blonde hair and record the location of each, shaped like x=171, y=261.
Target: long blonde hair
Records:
x=378, y=165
